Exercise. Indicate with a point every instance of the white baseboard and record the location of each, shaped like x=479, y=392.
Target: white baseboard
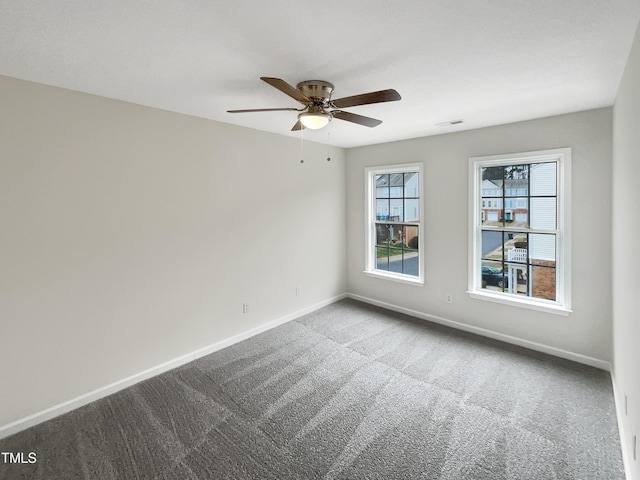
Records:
x=539, y=347
x=618, y=400
x=64, y=407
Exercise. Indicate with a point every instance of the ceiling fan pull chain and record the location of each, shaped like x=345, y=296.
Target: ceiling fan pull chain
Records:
x=301, y=145
x=328, y=146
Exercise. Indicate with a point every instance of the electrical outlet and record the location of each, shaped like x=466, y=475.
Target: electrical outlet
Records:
x=297, y=291
x=626, y=405
x=448, y=298
x=245, y=308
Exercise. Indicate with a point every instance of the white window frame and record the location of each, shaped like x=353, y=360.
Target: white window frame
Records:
x=562, y=304
x=370, y=232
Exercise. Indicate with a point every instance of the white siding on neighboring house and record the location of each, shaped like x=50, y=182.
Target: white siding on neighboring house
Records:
x=490, y=189
x=543, y=179
x=412, y=206
x=542, y=247
x=411, y=187
x=543, y=210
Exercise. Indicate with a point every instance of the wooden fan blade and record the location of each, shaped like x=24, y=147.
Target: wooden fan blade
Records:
x=264, y=110
x=298, y=126
x=284, y=87
x=352, y=117
x=365, y=98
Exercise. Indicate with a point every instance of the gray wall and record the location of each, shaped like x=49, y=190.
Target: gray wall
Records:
x=132, y=236
x=626, y=254
x=584, y=333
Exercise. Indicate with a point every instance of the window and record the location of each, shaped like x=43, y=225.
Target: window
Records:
x=520, y=254
x=394, y=226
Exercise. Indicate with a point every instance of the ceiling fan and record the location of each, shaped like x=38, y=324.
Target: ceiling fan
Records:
x=315, y=95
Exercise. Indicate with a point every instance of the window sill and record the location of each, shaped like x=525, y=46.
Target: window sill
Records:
x=520, y=302
x=415, y=281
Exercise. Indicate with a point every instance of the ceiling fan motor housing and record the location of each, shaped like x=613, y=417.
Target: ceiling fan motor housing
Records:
x=318, y=91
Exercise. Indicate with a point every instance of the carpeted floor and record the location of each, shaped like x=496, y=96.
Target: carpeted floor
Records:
x=348, y=392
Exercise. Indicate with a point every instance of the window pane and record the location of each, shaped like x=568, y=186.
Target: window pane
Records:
x=516, y=187
x=543, y=213
x=382, y=180
x=492, y=245
x=395, y=263
x=383, y=234
x=543, y=284
x=516, y=247
x=396, y=179
x=396, y=210
x=411, y=185
x=491, y=216
x=382, y=192
x=491, y=193
x=382, y=258
x=516, y=176
x=493, y=277
x=410, y=238
x=389, y=235
x=382, y=209
x=395, y=192
x=543, y=179
x=495, y=175
x=543, y=249
x=517, y=263
x=516, y=213
x=517, y=279
x=410, y=264
x=411, y=210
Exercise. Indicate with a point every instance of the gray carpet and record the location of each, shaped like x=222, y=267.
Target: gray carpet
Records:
x=347, y=392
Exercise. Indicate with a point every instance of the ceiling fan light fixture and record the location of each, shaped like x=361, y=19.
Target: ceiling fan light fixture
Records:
x=314, y=120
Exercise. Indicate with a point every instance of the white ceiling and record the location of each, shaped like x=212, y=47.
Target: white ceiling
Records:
x=485, y=61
